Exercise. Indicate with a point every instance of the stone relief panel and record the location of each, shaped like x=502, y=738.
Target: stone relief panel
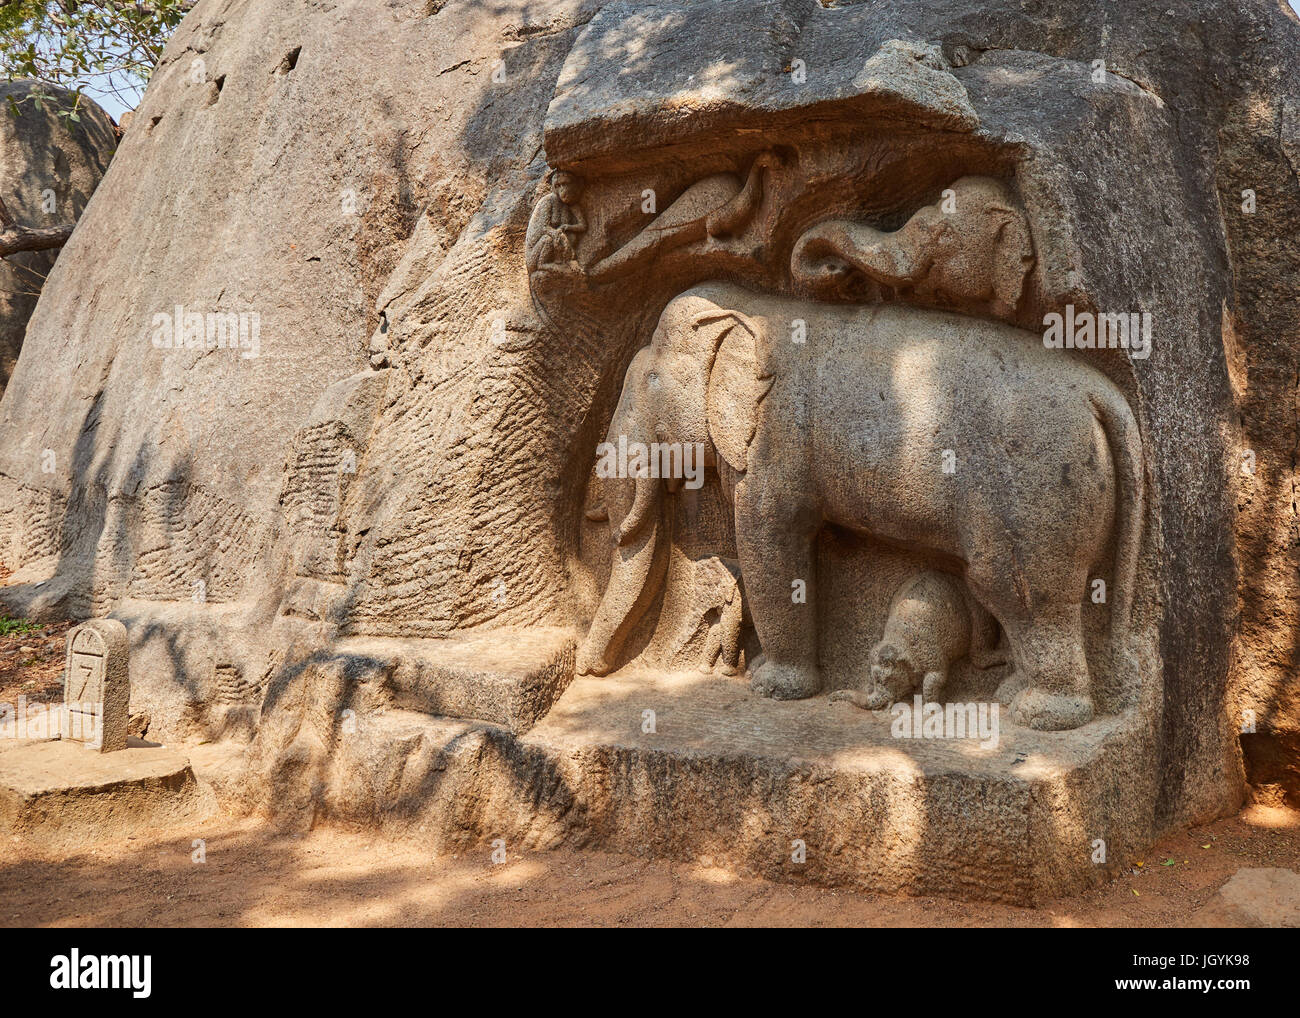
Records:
x=846, y=339
x=501, y=400
x=693, y=367
x=453, y=485
x=941, y=434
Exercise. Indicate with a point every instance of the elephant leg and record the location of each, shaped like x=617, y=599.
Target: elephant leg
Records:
x=1056, y=696
x=775, y=543
x=713, y=645
x=1050, y=688
x=729, y=632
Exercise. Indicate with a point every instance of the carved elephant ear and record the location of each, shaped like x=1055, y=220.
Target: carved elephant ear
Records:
x=736, y=383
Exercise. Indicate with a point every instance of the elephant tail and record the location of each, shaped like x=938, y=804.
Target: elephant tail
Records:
x=1125, y=441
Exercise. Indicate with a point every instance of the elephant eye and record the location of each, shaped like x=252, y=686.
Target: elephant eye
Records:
x=652, y=378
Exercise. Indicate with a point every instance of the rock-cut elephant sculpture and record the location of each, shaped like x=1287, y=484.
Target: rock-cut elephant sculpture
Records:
x=971, y=251
x=965, y=441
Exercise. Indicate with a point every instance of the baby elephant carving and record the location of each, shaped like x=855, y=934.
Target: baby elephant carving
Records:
x=933, y=623
x=724, y=635
x=970, y=251
x=716, y=603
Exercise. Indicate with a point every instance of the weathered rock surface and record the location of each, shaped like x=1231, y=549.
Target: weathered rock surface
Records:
x=60, y=793
x=1254, y=897
x=49, y=168
x=406, y=452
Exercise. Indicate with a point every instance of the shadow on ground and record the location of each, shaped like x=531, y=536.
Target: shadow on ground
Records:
x=253, y=876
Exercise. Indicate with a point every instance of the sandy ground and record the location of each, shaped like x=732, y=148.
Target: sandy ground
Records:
x=254, y=876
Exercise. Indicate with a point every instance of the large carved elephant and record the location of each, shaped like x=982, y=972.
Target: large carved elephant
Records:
x=965, y=441
x=970, y=251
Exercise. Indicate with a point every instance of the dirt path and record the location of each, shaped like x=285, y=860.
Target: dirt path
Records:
x=330, y=877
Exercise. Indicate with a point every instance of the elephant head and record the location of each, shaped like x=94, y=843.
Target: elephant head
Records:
x=970, y=251
x=698, y=384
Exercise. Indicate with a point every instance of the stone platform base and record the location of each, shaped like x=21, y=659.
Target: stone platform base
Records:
x=692, y=766
x=61, y=793
x=510, y=677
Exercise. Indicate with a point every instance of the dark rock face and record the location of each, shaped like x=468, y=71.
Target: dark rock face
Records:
x=439, y=269
x=49, y=168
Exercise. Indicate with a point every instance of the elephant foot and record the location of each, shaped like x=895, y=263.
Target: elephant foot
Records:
x=588, y=663
x=932, y=687
x=729, y=669
x=786, y=682
x=1009, y=688
x=1050, y=712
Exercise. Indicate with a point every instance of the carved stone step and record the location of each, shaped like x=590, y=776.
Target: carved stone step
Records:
x=62, y=793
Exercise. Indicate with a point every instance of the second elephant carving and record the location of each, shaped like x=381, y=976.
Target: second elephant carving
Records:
x=961, y=440
x=970, y=251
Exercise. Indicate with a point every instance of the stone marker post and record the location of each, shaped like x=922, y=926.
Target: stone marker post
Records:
x=96, y=687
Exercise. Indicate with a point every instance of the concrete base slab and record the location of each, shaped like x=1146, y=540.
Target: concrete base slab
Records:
x=62, y=793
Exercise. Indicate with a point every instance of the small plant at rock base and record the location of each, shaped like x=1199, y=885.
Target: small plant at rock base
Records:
x=17, y=627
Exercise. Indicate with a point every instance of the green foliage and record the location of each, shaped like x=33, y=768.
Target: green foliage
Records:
x=106, y=47
x=17, y=627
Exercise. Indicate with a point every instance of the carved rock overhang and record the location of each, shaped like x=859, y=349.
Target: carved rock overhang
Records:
x=875, y=129
x=661, y=96
x=647, y=77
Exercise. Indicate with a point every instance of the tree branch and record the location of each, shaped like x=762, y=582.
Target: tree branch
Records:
x=146, y=8
x=21, y=238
